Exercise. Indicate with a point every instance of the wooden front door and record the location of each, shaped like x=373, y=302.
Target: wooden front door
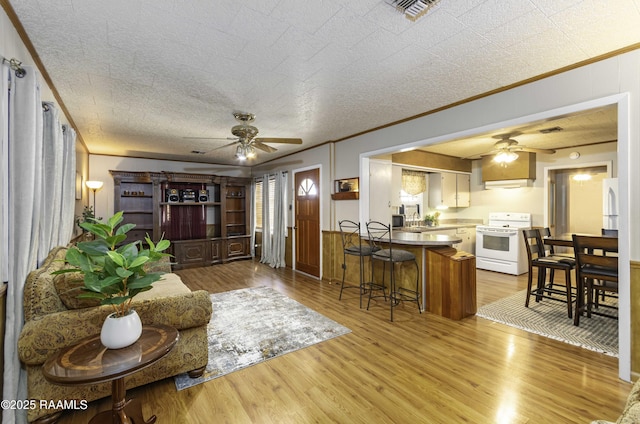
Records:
x=307, y=221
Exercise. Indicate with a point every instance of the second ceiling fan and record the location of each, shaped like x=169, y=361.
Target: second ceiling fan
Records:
x=245, y=138
x=505, y=150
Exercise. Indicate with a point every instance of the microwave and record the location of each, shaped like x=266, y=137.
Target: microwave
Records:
x=397, y=221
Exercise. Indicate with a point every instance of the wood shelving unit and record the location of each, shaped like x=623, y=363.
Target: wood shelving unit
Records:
x=213, y=228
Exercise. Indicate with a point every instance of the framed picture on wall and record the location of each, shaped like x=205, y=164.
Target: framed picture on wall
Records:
x=78, y=186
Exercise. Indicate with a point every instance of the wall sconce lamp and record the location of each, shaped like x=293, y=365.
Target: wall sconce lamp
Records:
x=95, y=186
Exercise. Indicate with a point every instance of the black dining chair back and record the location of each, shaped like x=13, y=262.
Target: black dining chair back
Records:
x=596, y=272
x=541, y=261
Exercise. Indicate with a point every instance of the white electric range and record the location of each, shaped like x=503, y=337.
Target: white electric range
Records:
x=500, y=244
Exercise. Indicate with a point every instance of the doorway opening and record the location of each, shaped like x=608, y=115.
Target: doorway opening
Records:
x=575, y=199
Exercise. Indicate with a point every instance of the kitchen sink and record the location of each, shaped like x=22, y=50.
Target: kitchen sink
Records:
x=420, y=229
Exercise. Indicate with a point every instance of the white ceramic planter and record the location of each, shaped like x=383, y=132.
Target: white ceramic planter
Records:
x=119, y=332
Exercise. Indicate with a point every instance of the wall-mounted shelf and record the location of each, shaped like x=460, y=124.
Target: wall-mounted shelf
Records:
x=347, y=195
x=346, y=189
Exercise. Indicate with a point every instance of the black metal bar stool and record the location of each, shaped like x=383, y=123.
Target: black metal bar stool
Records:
x=380, y=234
x=352, y=246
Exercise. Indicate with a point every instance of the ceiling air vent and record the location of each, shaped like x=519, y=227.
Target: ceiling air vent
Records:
x=413, y=9
x=551, y=130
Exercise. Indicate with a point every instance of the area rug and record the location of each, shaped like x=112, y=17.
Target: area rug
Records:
x=549, y=318
x=252, y=325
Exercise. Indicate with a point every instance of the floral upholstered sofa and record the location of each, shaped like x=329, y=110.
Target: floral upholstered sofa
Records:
x=631, y=412
x=56, y=318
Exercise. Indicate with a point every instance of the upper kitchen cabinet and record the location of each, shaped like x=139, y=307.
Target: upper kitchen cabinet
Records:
x=448, y=189
x=380, y=184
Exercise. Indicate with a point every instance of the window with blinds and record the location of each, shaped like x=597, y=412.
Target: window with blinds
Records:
x=258, y=202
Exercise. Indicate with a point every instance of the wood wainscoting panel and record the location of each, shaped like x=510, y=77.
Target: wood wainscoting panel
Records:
x=635, y=319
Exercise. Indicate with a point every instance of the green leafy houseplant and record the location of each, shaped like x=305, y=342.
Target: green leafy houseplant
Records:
x=114, y=274
x=87, y=216
x=431, y=219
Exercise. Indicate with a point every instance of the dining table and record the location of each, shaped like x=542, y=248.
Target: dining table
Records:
x=565, y=240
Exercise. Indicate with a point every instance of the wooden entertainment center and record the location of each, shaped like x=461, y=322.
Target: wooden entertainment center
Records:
x=206, y=217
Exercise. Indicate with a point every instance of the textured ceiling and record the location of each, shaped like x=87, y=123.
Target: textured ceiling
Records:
x=138, y=76
x=593, y=126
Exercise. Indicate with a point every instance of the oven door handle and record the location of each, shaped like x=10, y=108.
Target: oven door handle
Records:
x=498, y=233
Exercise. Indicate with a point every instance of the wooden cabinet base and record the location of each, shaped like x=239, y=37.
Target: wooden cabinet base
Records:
x=451, y=283
x=206, y=252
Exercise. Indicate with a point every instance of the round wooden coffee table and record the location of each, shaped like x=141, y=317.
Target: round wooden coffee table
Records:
x=89, y=362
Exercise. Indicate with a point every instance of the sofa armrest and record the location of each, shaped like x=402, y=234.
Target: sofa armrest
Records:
x=44, y=335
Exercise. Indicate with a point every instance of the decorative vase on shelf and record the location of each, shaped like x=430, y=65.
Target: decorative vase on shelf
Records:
x=118, y=332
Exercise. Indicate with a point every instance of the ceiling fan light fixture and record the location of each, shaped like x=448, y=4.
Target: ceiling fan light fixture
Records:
x=240, y=153
x=505, y=157
x=250, y=152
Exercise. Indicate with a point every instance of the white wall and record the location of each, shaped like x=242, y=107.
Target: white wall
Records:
x=527, y=199
x=12, y=47
x=319, y=157
x=612, y=81
x=100, y=165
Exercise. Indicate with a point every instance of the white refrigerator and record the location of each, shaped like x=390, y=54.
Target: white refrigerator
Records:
x=610, y=203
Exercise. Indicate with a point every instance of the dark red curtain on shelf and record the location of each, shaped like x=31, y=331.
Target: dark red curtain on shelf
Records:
x=183, y=221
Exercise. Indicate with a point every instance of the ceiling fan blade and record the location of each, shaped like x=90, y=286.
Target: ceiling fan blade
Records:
x=210, y=138
x=222, y=147
x=279, y=140
x=532, y=150
x=481, y=155
x=258, y=145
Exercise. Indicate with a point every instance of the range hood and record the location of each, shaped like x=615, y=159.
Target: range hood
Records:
x=490, y=185
x=519, y=173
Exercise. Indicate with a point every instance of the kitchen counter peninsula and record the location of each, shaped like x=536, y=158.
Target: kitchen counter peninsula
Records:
x=423, y=239
x=448, y=276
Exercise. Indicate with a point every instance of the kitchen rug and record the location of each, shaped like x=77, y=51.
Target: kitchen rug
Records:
x=549, y=318
x=252, y=325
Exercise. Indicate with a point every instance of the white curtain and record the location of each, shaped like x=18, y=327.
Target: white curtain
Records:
x=58, y=183
x=274, y=230
x=67, y=208
x=265, y=256
x=279, y=227
x=24, y=211
x=52, y=158
x=253, y=219
x=4, y=172
x=414, y=182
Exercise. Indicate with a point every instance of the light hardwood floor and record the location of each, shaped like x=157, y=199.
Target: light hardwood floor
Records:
x=419, y=369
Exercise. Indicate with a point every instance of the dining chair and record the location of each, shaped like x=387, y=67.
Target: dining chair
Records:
x=596, y=272
x=352, y=246
x=606, y=232
x=550, y=251
x=380, y=239
x=538, y=258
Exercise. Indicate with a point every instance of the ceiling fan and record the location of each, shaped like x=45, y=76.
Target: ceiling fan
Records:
x=246, y=140
x=505, y=149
